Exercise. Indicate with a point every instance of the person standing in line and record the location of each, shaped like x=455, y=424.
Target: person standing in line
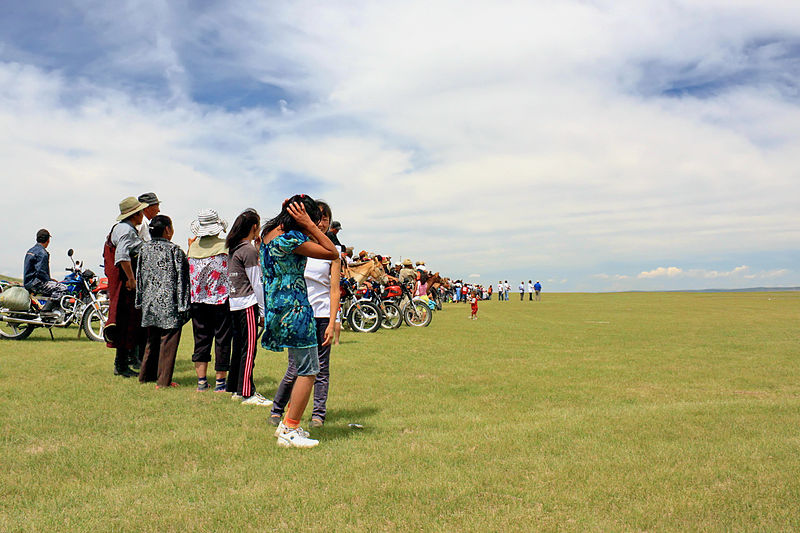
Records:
x=122, y=331
x=322, y=283
x=521, y=290
x=537, y=287
x=153, y=208
x=287, y=240
x=211, y=316
x=499, y=291
x=162, y=294
x=530, y=291
x=507, y=287
x=333, y=232
x=246, y=299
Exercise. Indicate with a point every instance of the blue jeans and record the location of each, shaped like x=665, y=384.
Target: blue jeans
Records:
x=284, y=392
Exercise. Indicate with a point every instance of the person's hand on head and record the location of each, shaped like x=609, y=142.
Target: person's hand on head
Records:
x=298, y=212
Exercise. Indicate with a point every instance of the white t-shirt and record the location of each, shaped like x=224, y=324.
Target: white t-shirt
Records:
x=144, y=230
x=318, y=285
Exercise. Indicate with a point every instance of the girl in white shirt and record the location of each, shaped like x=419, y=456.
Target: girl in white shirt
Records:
x=322, y=285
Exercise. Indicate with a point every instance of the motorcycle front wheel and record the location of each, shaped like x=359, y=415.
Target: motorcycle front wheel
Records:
x=392, y=316
x=14, y=331
x=93, y=323
x=417, y=314
x=364, y=317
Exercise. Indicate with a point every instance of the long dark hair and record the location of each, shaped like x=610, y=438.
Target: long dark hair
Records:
x=241, y=227
x=285, y=221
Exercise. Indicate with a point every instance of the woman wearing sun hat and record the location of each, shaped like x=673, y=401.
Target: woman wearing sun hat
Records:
x=211, y=318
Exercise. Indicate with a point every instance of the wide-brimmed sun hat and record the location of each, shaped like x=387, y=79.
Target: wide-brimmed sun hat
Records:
x=129, y=206
x=407, y=262
x=208, y=223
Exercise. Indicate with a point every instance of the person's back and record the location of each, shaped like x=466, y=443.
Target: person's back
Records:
x=36, y=268
x=36, y=273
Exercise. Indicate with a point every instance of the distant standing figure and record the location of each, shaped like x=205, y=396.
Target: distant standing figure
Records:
x=521, y=290
x=500, y=287
x=530, y=291
x=537, y=287
x=473, y=301
x=507, y=288
x=333, y=232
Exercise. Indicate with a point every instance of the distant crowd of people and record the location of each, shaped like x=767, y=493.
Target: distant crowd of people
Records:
x=459, y=291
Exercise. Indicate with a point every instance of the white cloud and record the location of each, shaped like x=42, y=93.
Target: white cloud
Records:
x=542, y=147
x=474, y=275
x=660, y=272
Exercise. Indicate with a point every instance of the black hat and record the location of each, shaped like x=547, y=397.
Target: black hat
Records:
x=42, y=236
x=336, y=225
x=149, y=198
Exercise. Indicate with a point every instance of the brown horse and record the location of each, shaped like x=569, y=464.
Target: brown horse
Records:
x=365, y=270
x=434, y=282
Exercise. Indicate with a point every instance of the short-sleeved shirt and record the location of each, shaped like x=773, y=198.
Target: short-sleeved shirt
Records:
x=288, y=317
x=126, y=240
x=318, y=283
x=242, y=262
x=209, y=279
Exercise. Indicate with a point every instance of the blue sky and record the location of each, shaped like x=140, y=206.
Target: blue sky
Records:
x=593, y=145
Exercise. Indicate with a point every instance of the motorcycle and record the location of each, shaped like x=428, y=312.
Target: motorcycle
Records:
x=18, y=317
x=415, y=311
x=391, y=316
x=362, y=316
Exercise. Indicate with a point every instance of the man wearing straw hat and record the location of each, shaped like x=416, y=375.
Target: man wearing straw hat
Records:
x=211, y=318
x=407, y=273
x=123, y=328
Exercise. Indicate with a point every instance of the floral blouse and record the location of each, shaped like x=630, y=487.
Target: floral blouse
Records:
x=209, y=279
x=288, y=317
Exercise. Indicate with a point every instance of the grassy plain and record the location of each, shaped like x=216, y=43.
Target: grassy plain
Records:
x=661, y=411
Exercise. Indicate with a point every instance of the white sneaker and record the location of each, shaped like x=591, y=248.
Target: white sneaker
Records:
x=295, y=438
x=282, y=427
x=257, y=399
x=236, y=396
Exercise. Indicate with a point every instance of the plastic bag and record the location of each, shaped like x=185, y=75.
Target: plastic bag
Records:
x=15, y=299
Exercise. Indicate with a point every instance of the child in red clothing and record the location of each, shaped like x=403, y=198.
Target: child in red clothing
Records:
x=473, y=301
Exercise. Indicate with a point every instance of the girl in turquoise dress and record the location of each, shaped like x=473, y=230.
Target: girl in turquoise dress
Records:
x=286, y=241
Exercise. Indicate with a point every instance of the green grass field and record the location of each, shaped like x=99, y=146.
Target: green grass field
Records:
x=659, y=411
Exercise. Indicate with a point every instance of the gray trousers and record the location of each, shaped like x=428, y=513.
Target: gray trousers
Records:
x=52, y=289
x=284, y=392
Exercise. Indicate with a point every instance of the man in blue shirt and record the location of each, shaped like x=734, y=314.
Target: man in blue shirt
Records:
x=36, y=271
x=538, y=288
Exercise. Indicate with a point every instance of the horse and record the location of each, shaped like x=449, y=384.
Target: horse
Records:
x=367, y=269
x=434, y=282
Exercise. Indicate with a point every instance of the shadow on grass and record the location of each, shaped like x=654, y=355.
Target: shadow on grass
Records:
x=186, y=377
x=45, y=337
x=336, y=423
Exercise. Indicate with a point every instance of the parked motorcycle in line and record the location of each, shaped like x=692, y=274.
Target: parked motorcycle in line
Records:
x=21, y=312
